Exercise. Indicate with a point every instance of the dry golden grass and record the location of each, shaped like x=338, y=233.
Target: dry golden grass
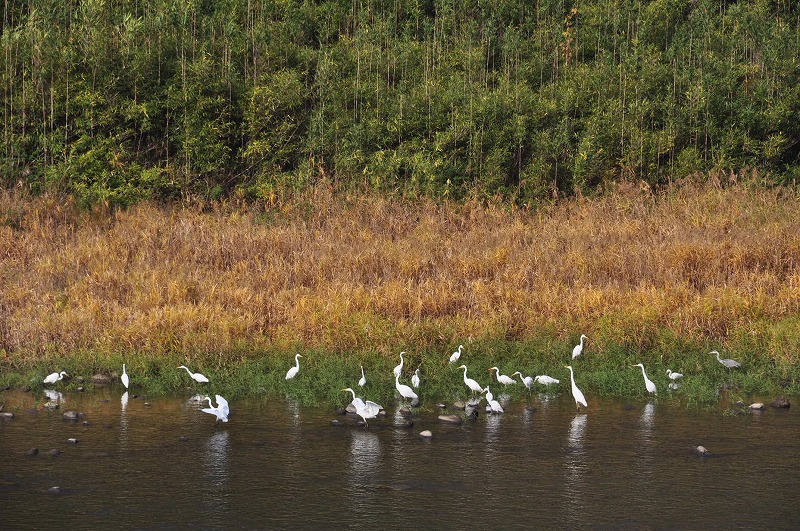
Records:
x=370, y=273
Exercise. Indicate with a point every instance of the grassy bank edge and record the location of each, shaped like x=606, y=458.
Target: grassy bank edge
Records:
x=603, y=370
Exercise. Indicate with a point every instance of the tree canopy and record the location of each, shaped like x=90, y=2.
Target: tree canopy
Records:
x=128, y=99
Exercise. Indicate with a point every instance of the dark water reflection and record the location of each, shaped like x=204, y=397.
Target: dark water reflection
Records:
x=278, y=465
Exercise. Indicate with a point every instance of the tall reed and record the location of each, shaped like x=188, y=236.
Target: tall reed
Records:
x=697, y=264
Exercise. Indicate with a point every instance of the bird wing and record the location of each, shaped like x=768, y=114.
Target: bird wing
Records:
x=222, y=404
x=209, y=410
x=357, y=403
x=371, y=409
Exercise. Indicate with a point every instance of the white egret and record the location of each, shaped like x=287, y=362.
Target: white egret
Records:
x=527, y=380
x=576, y=393
x=651, y=387
x=404, y=390
x=399, y=368
x=731, y=364
x=503, y=378
x=363, y=381
x=365, y=410
x=415, y=379
x=291, y=373
x=472, y=384
x=546, y=380
x=674, y=376
x=196, y=376
x=457, y=354
x=221, y=411
x=54, y=377
x=578, y=349
x=124, y=378
x=494, y=405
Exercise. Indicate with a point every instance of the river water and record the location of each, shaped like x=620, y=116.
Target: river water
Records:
x=163, y=464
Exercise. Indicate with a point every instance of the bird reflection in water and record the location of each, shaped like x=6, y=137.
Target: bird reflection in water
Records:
x=575, y=467
x=54, y=399
x=123, y=422
x=646, y=419
x=215, y=459
x=365, y=459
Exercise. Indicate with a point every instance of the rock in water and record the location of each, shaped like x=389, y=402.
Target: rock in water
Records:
x=701, y=451
x=781, y=402
x=426, y=434
x=451, y=419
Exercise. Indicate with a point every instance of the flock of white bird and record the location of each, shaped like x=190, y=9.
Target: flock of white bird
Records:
x=369, y=410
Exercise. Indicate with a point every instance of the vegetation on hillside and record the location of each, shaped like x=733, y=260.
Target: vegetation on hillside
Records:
x=131, y=99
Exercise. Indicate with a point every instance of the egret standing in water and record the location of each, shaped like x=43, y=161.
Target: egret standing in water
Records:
x=494, y=405
x=124, y=378
x=472, y=384
x=578, y=349
x=731, y=364
x=196, y=376
x=54, y=377
x=415, y=379
x=365, y=410
x=457, y=354
x=291, y=373
x=221, y=411
x=404, y=390
x=362, y=382
x=576, y=393
x=502, y=378
x=399, y=368
x=651, y=387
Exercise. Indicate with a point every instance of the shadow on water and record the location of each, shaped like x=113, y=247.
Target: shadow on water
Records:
x=163, y=463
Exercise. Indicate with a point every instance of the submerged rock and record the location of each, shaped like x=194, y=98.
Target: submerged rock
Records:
x=700, y=450
x=337, y=422
x=7, y=415
x=757, y=406
x=451, y=419
x=32, y=452
x=73, y=440
x=781, y=402
x=404, y=411
x=54, y=490
x=70, y=415
x=55, y=452
x=426, y=434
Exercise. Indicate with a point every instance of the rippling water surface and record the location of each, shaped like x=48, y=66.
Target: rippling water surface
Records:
x=161, y=463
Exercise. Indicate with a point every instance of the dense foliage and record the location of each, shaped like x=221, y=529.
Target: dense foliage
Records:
x=116, y=100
